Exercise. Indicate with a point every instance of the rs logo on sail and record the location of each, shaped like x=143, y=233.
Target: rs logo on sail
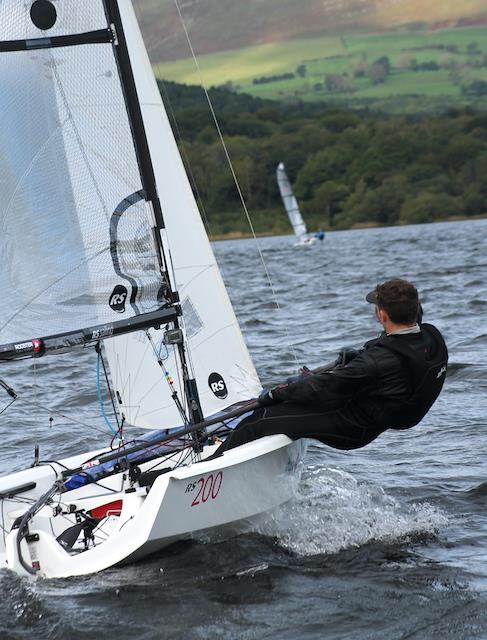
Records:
x=217, y=385
x=118, y=298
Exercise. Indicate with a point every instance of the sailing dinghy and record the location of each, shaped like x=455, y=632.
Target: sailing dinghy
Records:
x=292, y=208
x=102, y=247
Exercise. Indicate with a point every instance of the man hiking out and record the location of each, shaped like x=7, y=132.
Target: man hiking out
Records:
x=390, y=383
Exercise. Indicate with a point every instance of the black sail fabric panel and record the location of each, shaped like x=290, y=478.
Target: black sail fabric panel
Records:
x=67, y=167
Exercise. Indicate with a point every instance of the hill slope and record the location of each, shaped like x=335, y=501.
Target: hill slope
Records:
x=219, y=25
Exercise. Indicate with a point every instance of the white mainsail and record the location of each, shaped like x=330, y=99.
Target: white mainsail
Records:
x=290, y=202
x=218, y=357
x=76, y=226
x=72, y=167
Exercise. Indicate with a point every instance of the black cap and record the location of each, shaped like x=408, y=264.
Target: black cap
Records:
x=372, y=296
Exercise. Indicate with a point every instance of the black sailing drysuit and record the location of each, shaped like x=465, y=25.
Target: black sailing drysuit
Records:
x=390, y=384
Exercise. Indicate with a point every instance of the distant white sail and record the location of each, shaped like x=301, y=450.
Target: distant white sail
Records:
x=217, y=353
x=290, y=202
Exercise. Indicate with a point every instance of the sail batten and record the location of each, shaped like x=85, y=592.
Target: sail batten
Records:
x=92, y=37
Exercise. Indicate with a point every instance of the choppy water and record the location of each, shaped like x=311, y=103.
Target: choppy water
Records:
x=386, y=542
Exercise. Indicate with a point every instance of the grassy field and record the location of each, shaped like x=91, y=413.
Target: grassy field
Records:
x=327, y=55
x=217, y=25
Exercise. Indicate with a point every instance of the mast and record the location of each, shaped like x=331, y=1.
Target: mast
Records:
x=216, y=352
x=146, y=169
x=103, y=226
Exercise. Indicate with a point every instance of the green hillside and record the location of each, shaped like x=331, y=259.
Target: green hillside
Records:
x=223, y=25
x=424, y=69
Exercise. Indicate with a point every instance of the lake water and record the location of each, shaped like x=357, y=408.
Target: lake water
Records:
x=386, y=542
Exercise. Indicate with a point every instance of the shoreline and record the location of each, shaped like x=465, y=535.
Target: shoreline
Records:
x=240, y=235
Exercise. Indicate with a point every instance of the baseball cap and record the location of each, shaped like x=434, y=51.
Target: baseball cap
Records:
x=396, y=287
x=372, y=296
x=389, y=286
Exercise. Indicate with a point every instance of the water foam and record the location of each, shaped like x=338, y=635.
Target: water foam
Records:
x=333, y=511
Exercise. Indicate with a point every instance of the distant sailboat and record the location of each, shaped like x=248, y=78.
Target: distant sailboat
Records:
x=292, y=208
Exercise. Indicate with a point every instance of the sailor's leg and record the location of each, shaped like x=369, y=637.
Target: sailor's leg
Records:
x=299, y=421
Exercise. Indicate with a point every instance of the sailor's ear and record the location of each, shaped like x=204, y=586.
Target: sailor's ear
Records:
x=382, y=316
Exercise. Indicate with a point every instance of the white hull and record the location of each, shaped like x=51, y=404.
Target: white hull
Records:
x=219, y=497
x=305, y=241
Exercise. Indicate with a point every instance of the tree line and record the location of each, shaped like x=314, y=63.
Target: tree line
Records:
x=348, y=167
x=378, y=71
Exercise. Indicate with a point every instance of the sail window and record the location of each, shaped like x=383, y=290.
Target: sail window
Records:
x=43, y=14
x=192, y=320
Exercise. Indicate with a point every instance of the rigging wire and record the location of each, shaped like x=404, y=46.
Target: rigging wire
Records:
x=234, y=176
x=7, y=406
x=70, y=419
x=169, y=380
x=201, y=207
x=100, y=399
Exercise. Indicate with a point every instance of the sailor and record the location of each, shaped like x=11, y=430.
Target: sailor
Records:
x=320, y=235
x=390, y=383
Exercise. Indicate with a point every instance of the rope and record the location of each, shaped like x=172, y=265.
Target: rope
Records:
x=50, y=411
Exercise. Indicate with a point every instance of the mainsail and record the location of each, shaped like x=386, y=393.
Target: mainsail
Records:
x=67, y=168
x=290, y=202
x=98, y=224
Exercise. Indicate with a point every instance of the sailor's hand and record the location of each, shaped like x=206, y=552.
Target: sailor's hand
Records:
x=302, y=373
x=270, y=396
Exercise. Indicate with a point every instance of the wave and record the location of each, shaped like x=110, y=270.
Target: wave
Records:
x=334, y=511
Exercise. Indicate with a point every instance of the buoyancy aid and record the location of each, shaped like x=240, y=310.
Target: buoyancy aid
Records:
x=427, y=362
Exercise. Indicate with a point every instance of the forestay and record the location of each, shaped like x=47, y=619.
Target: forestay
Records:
x=290, y=202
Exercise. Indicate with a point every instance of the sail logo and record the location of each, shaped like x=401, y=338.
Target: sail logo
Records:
x=118, y=298
x=23, y=346
x=217, y=385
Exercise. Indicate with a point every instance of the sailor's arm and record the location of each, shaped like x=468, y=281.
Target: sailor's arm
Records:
x=329, y=386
